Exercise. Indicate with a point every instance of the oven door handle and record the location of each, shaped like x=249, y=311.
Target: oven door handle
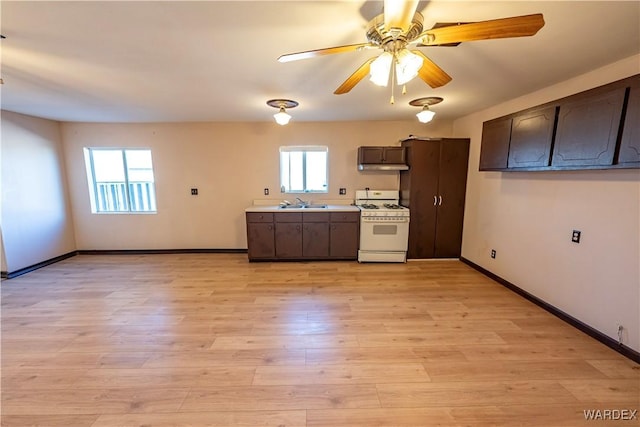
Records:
x=387, y=221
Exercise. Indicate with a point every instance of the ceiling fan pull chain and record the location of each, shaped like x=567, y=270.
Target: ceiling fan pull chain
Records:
x=393, y=81
x=404, y=89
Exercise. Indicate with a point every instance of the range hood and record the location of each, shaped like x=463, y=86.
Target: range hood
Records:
x=383, y=167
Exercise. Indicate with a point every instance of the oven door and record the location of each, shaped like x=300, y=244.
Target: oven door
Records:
x=385, y=235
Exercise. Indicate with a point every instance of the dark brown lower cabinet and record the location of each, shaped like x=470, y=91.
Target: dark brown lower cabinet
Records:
x=288, y=226
x=315, y=234
x=344, y=235
x=434, y=190
x=260, y=235
x=303, y=235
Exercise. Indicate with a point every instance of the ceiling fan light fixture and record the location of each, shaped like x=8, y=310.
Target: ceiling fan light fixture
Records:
x=282, y=118
x=425, y=115
x=380, y=68
x=407, y=66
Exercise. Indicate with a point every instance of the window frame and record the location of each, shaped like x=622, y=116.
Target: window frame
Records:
x=93, y=182
x=304, y=149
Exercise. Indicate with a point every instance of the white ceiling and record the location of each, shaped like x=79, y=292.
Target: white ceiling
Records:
x=108, y=61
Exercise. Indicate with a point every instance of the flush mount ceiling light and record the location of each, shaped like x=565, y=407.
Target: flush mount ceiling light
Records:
x=282, y=118
x=426, y=115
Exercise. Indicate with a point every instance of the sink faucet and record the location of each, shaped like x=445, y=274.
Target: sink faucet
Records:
x=302, y=202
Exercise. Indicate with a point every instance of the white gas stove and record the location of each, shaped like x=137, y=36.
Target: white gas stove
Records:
x=384, y=226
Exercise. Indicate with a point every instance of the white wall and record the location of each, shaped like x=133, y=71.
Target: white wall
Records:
x=36, y=220
x=528, y=218
x=229, y=163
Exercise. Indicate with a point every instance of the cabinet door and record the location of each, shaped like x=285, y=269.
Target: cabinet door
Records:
x=424, y=172
x=452, y=186
x=494, y=151
x=260, y=240
x=344, y=239
x=315, y=239
x=373, y=155
x=288, y=237
x=588, y=129
x=630, y=144
x=394, y=155
x=531, y=136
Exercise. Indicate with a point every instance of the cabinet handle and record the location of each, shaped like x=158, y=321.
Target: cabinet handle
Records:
x=297, y=228
x=435, y=200
x=270, y=228
x=439, y=200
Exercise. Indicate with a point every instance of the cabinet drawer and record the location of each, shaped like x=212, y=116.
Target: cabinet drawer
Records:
x=315, y=217
x=288, y=217
x=345, y=216
x=259, y=217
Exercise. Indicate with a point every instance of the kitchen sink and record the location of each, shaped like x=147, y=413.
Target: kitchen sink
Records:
x=312, y=206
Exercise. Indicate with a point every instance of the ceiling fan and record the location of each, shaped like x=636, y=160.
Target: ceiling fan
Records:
x=400, y=26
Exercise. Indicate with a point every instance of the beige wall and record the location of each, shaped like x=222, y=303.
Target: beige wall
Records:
x=528, y=218
x=36, y=219
x=230, y=164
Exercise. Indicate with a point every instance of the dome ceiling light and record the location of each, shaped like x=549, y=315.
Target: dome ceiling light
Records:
x=426, y=115
x=282, y=118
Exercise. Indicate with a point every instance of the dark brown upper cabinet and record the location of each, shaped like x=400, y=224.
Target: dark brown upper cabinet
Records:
x=382, y=158
x=496, y=135
x=531, y=138
x=630, y=144
x=595, y=129
x=588, y=129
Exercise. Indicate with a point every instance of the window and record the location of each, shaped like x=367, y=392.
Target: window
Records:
x=303, y=169
x=120, y=180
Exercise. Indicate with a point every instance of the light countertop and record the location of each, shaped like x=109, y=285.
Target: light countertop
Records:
x=277, y=208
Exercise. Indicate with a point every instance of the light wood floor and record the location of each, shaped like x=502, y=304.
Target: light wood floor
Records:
x=212, y=340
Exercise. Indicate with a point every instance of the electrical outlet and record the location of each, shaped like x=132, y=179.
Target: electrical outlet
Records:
x=620, y=330
x=266, y=191
x=194, y=191
x=493, y=253
x=343, y=191
x=575, y=236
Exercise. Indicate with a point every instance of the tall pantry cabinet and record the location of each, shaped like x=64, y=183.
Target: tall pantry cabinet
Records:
x=434, y=190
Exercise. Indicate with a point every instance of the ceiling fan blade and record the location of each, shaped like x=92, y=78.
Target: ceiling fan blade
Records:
x=517, y=26
x=432, y=75
x=355, y=78
x=321, y=52
x=399, y=13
